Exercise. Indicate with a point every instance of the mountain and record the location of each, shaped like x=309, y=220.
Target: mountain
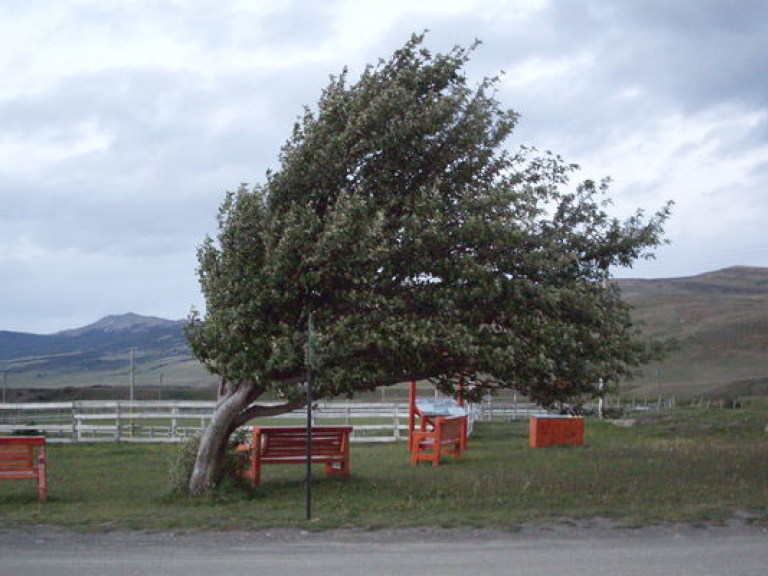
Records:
x=100, y=354
x=108, y=333
x=720, y=321
x=123, y=323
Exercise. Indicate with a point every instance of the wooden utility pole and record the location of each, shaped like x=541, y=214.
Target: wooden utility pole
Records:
x=132, y=374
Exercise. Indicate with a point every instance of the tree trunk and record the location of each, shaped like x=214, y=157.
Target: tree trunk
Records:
x=213, y=445
x=233, y=410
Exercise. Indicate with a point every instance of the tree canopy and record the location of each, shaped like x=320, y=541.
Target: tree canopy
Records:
x=423, y=247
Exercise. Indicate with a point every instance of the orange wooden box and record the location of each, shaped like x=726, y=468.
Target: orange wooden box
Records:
x=553, y=430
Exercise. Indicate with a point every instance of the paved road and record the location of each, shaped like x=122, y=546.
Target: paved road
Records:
x=561, y=551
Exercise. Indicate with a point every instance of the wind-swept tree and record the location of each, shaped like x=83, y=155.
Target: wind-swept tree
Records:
x=423, y=249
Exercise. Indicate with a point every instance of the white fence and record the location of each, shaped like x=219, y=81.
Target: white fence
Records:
x=94, y=421
x=169, y=421
x=158, y=421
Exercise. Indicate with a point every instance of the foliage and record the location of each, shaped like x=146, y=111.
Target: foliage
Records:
x=181, y=464
x=422, y=248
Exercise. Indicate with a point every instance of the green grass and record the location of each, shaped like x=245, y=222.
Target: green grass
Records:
x=689, y=466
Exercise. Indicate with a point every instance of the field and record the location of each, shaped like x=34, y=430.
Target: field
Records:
x=693, y=466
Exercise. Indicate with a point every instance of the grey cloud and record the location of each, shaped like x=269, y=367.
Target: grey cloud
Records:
x=179, y=136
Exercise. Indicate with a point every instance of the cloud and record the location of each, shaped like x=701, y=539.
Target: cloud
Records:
x=122, y=125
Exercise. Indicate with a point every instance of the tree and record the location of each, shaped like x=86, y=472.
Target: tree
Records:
x=423, y=248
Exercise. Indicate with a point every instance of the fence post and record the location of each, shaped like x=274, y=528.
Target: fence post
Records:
x=396, y=421
x=75, y=427
x=117, y=422
x=174, y=421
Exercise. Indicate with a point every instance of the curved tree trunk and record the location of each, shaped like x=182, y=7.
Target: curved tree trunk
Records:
x=210, y=456
x=233, y=410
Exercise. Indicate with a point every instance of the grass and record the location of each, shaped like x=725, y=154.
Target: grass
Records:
x=689, y=466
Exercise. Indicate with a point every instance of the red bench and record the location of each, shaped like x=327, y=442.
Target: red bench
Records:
x=288, y=445
x=447, y=437
x=23, y=458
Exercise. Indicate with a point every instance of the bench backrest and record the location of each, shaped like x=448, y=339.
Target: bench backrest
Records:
x=17, y=453
x=450, y=428
x=291, y=441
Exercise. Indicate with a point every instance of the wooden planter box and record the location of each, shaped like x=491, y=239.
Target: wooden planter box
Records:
x=554, y=430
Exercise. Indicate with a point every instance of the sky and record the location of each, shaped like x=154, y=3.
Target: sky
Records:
x=123, y=124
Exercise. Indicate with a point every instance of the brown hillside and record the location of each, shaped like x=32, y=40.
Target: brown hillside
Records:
x=720, y=320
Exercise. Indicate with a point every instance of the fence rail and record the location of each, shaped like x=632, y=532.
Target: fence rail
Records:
x=174, y=421
x=160, y=421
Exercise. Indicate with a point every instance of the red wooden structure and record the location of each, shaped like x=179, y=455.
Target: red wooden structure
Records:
x=24, y=458
x=288, y=445
x=554, y=430
x=447, y=437
x=435, y=427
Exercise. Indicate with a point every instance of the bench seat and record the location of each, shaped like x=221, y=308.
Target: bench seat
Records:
x=288, y=445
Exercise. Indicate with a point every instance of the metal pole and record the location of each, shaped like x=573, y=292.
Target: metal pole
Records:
x=5, y=383
x=310, y=377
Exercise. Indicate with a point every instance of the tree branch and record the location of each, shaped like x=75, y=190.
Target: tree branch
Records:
x=262, y=411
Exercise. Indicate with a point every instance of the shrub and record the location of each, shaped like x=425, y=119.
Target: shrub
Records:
x=182, y=461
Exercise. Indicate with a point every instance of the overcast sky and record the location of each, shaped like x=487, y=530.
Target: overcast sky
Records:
x=122, y=124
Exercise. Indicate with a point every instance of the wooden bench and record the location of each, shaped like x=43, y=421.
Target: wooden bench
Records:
x=23, y=458
x=288, y=445
x=447, y=437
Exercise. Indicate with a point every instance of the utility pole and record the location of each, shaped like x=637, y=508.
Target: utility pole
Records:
x=5, y=383
x=133, y=370
x=658, y=382
x=132, y=374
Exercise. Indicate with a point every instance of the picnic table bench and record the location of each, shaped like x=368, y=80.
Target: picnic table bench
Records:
x=436, y=427
x=446, y=437
x=288, y=445
x=24, y=458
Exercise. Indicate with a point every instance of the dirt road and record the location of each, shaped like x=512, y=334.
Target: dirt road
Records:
x=563, y=550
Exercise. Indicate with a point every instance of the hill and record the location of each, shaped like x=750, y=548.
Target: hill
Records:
x=720, y=320
x=100, y=355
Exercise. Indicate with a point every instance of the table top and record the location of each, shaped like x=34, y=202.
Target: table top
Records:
x=439, y=407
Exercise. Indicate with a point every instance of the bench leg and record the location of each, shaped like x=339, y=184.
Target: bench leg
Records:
x=255, y=470
x=42, y=480
x=42, y=488
x=337, y=468
x=430, y=454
